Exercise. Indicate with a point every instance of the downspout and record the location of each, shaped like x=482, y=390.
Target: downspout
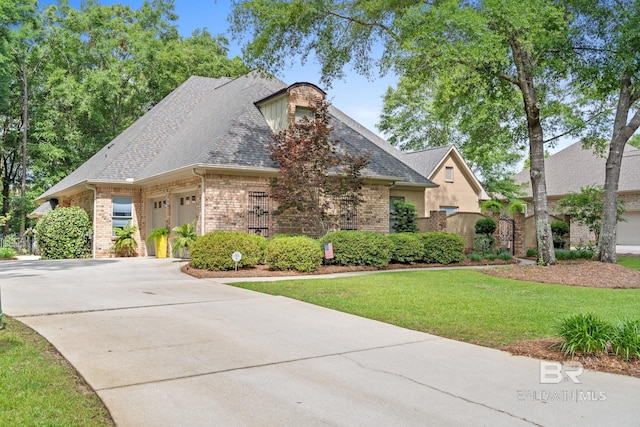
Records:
x=95, y=207
x=202, y=192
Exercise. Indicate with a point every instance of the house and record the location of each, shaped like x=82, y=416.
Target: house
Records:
x=458, y=188
x=573, y=168
x=201, y=155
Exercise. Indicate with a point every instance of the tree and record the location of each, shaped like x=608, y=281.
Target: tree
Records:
x=313, y=176
x=405, y=217
x=469, y=55
x=609, y=72
x=635, y=141
x=586, y=208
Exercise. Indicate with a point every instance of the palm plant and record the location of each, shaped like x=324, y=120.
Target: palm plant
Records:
x=185, y=235
x=125, y=245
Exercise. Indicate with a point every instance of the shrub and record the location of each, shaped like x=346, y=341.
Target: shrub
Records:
x=407, y=248
x=486, y=226
x=625, y=341
x=442, y=248
x=563, y=254
x=505, y=256
x=532, y=252
x=298, y=253
x=64, y=233
x=490, y=256
x=584, y=333
x=559, y=228
x=405, y=216
x=475, y=257
x=7, y=253
x=359, y=248
x=213, y=250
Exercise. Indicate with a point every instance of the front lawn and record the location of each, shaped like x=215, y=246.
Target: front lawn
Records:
x=630, y=262
x=461, y=304
x=39, y=389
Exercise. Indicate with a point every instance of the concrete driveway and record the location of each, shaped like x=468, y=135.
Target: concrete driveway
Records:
x=164, y=349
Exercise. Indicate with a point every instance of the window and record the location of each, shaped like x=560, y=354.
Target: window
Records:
x=303, y=112
x=448, y=174
x=348, y=213
x=449, y=209
x=121, y=212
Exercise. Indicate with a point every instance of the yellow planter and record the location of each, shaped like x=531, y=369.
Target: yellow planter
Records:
x=161, y=246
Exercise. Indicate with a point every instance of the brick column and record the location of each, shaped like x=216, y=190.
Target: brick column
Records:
x=519, y=248
x=437, y=221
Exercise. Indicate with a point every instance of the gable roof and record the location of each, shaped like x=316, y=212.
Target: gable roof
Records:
x=573, y=168
x=429, y=160
x=215, y=123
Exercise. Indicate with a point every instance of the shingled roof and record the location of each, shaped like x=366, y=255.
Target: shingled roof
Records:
x=574, y=167
x=215, y=123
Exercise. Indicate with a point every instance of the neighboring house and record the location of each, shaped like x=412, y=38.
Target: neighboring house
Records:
x=458, y=189
x=201, y=155
x=574, y=168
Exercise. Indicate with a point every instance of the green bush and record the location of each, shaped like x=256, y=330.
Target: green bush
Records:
x=584, y=333
x=7, y=253
x=64, y=233
x=359, y=248
x=442, y=248
x=405, y=216
x=532, y=252
x=563, y=254
x=505, y=256
x=298, y=253
x=213, y=250
x=486, y=226
x=559, y=228
x=407, y=248
x=625, y=341
x=475, y=257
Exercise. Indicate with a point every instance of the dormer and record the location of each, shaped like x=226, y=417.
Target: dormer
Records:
x=286, y=107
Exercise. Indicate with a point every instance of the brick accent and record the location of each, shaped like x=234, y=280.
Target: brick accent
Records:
x=437, y=221
x=519, y=248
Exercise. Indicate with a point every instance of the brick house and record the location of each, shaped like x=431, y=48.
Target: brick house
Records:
x=573, y=168
x=201, y=155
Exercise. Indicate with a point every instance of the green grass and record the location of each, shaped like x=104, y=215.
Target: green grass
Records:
x=461, y=304
x=630, y=262
x=37, y=388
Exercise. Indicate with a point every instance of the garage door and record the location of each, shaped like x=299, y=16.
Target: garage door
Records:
x=187, y=208
x=628, y=232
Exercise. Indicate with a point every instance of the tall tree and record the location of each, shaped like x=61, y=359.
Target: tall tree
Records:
x=492, y=49
x=608, y=71
x=313, y=177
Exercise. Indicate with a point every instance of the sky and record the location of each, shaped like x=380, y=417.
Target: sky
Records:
x=358, y=97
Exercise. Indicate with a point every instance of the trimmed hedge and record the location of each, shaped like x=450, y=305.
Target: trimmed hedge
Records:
x=442, y=248
x=63, y=233
x=298, y=253
x=213, y=250
x=359, y=248
x=408, y=248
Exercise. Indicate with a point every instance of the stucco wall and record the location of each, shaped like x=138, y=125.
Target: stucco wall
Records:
x=458, y=192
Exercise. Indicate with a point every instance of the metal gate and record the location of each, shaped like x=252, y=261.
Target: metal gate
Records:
x=348, y=213
x=258, y=213
x=506, y=229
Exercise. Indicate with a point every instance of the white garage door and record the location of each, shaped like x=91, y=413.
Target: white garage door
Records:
x=628, y=232
x=187, y=208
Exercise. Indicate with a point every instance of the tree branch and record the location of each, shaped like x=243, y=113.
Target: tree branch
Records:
x=575, y=128
x=383, y=27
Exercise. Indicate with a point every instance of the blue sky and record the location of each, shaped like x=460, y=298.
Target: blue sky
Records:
x=355, y=95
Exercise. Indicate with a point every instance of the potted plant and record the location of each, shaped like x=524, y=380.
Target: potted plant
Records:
x=125, y=245
x=160, y=237
x=185, y=235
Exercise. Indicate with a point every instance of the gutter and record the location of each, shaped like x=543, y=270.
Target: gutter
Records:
x=202, y=192
x=95, y=216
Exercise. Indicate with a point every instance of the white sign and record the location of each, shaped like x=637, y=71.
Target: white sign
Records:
x=236, y=256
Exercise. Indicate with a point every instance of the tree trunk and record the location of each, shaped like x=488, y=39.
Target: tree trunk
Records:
x=25, y=133
x=544, y=238
x=606, y=249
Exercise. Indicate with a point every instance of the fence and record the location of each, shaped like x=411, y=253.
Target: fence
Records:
x=22, y=243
